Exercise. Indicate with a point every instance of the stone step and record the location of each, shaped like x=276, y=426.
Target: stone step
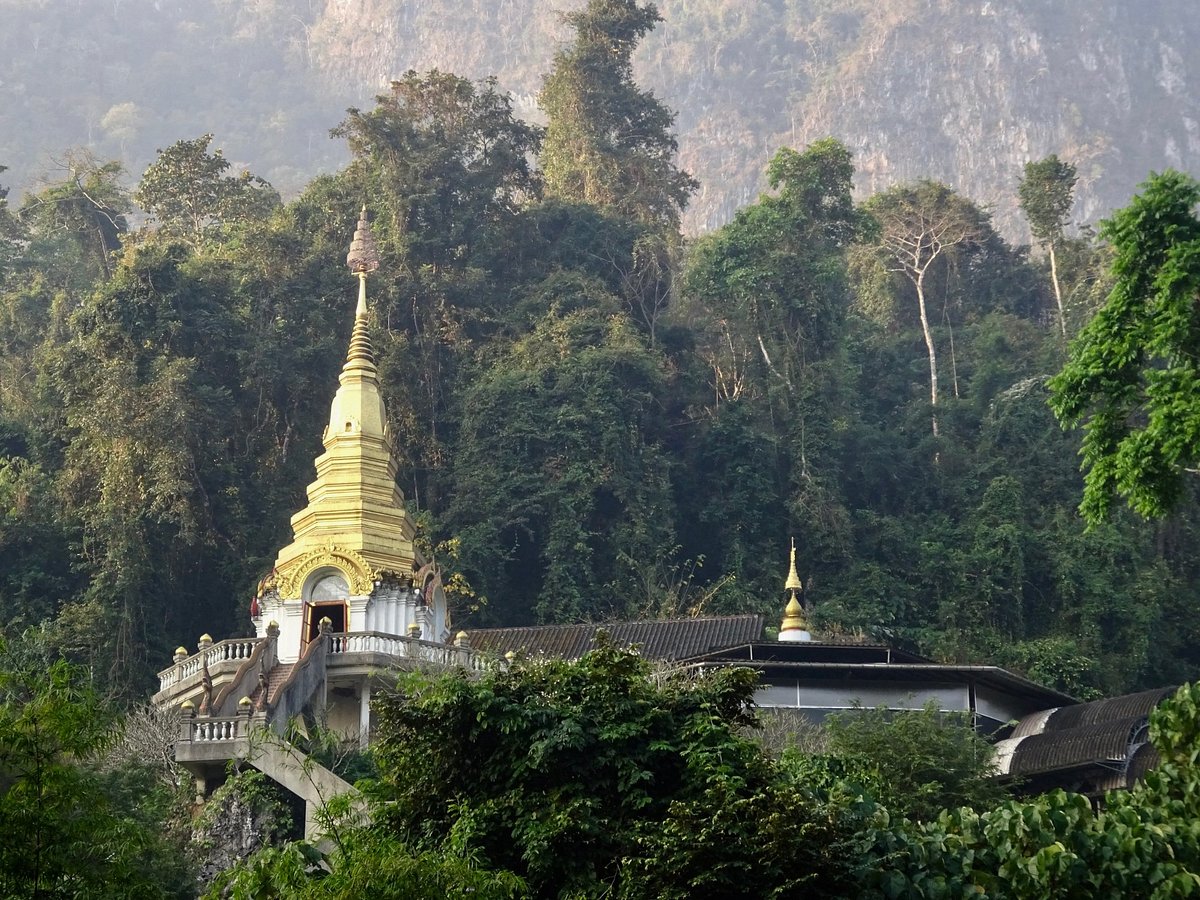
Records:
x=275, y=679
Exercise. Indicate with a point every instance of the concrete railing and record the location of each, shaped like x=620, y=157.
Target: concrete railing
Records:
x=208, y=731
x=396, y=647
x=234, y=650
x=245, y=680
x=304, y=687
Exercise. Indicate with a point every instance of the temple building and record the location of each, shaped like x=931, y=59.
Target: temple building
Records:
x=351, y=600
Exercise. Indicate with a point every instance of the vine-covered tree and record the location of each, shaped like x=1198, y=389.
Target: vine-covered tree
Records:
x=86, y=210
x=609, y=142
x=187, y=193
x=446, y=158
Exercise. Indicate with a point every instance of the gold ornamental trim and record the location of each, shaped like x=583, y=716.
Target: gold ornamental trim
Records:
x=359, y=574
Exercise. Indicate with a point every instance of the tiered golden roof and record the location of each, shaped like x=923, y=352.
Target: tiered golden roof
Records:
x=355, y=520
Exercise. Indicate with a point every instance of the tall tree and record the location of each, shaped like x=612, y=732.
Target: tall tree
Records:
x=923, y=225
x=592, y=778
x=68, y=830
x=609, y=142
x=447, y=158
x=86, y=210
x=1133, y=376
x=187, y=192
x=1046, y=193
x=768, y=294
x=560, y=482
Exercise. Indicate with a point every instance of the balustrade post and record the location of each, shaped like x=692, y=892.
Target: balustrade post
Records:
x=245, y=708
x=187, y=715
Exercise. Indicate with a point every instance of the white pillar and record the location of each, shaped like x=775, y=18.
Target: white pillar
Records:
x=364, y=714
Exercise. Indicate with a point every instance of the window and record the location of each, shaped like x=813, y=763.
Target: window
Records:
x=330, y=586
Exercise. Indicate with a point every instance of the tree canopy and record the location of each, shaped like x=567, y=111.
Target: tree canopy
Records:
x=1132, y=377
x=609, y=142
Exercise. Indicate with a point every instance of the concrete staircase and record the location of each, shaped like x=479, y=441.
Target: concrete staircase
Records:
x=275, y=680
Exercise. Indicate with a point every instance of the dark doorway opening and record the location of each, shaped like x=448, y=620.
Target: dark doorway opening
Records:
x=336, y=613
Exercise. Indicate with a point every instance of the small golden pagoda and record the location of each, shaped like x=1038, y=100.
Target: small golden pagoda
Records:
x=794, y=627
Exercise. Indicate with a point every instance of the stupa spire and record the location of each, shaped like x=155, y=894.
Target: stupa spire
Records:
x=793, y=627
x=355, y=520
x=362, y=259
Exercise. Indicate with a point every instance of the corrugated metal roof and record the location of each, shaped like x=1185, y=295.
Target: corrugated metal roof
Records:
x=664, y=639
x=1122, y=707
x=1106, y=738
x=1101, y=743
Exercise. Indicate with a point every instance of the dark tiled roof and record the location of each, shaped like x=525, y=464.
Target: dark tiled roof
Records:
x=665, y=639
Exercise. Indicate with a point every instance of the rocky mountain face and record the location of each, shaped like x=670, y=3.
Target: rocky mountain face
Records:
x=964, y=91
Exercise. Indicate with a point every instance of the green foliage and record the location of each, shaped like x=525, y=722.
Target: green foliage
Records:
x=608, y=142
x=1047, y=193
x=914, y=763
x=1132, y=377
x=80, y=217
x=187, y=193
x=1144, y=843
x=559, y=475
x=591, y=777
x=71, y=831
x=447, y=158
x=369, y=863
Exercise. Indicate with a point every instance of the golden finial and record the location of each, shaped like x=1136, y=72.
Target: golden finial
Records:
x=793, y=580
x=364, y=255
x=793, y=616
x=793, y=627
x=362, y=259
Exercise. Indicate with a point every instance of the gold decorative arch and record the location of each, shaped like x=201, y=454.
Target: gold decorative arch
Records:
x=359, y=574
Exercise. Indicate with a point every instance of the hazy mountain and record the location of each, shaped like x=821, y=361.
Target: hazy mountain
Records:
x=960, y=90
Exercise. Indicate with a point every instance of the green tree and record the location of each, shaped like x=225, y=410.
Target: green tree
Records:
x=447, y=160
x=593, y=778
x=559, y=475
x=608, y=142
x=915, y=763
x=767, y=295
x=84, y=212
x=70, y=831
x=186, y=191
x=1143, y=843
x=1046, y=194
x=923, y=226
x=1132, y=378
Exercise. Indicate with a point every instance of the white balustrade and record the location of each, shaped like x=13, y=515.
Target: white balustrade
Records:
x=405, y=648
x=232, y=650
x=208, y=730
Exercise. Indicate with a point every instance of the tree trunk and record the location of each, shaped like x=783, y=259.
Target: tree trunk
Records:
x=933, y=375
x=1062, y=318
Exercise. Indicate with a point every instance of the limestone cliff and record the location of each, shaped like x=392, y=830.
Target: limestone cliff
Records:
x=961, y=90
x=965, y=91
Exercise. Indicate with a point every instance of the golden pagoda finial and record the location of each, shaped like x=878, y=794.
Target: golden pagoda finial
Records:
x=793, y=580
x=793, y=627
x=362, y=259
x=355, y=521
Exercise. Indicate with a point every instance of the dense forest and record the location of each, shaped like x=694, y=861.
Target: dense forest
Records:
x=597, y=417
